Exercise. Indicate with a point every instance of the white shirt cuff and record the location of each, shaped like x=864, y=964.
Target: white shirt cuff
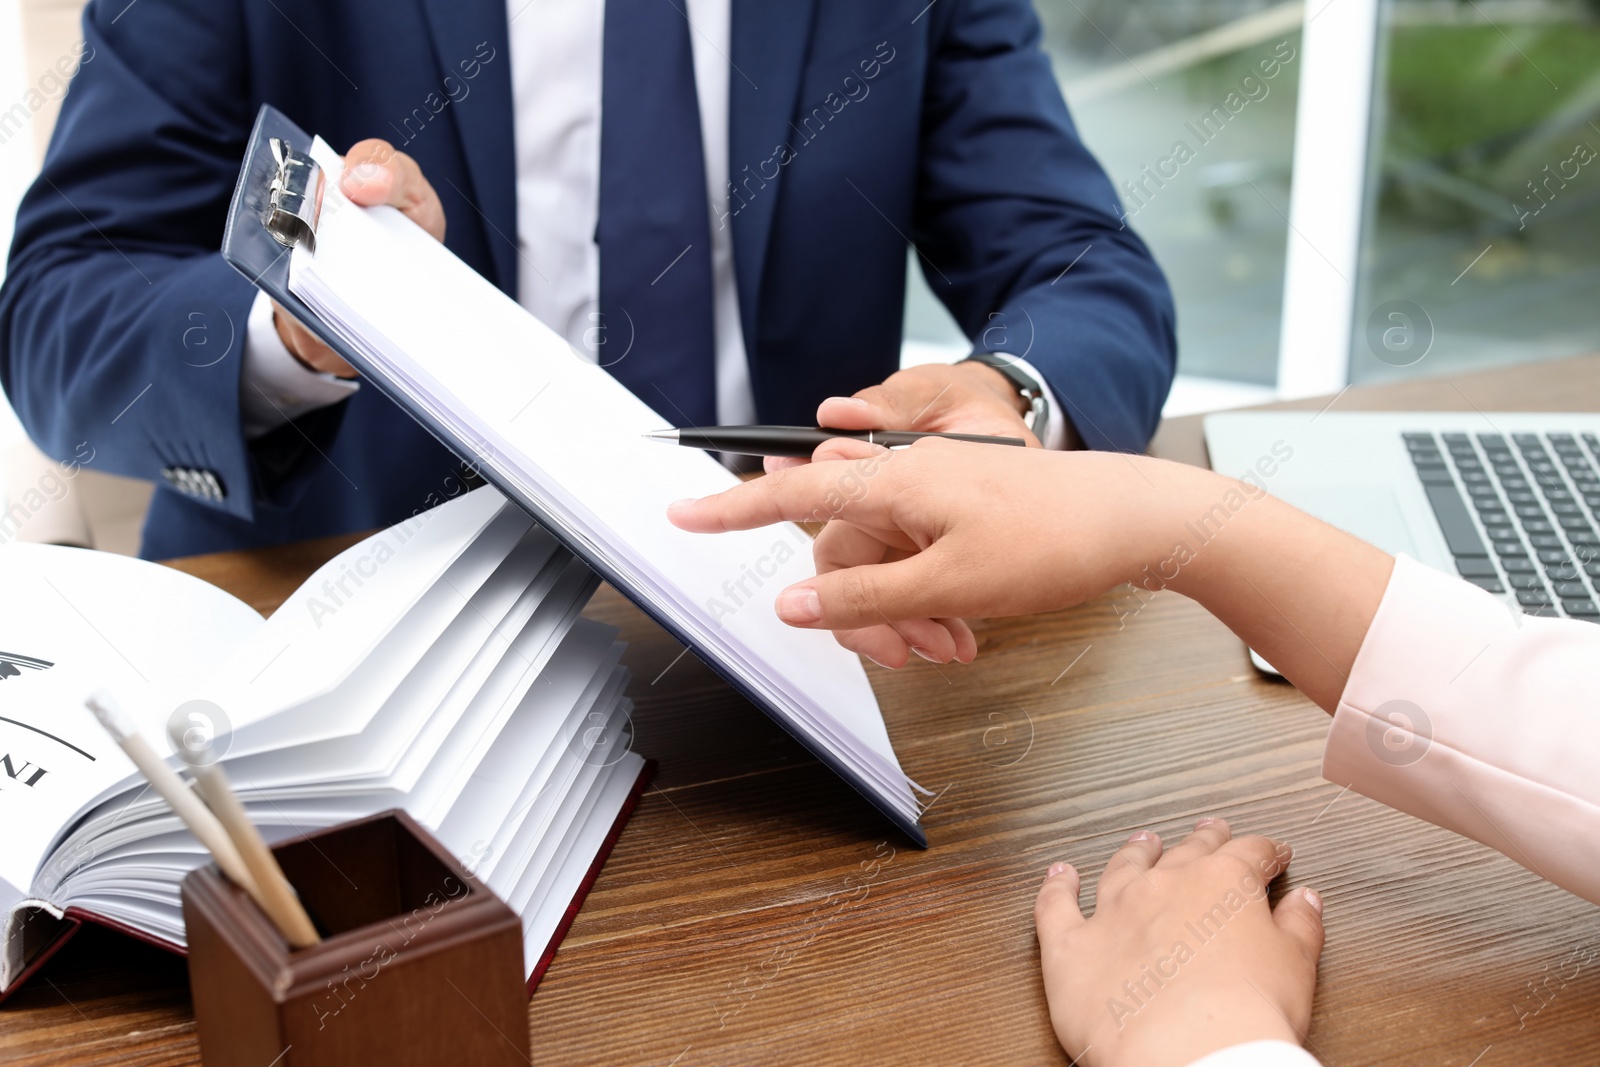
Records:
x=276, y=388
x=1055, y=431
x=1259, y=1054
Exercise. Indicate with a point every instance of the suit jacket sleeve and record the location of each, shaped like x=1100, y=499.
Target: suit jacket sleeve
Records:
x=1022, y=233
x=1464, y=713
x=121, y=327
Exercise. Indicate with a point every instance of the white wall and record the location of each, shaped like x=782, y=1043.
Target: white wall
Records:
x=16, y=164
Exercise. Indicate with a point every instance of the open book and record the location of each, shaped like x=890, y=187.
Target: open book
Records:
x=440, y=666
x=564, y=439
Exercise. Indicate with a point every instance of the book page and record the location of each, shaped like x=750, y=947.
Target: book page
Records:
x=370, y=610
x=73, y=621
x=577, y=853
x=499, y=789
x=415, y=711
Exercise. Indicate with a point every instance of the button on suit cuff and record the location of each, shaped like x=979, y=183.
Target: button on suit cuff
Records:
x=274, y=387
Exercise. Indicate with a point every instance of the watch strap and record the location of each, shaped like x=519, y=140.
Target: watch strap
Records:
x=1028, y=386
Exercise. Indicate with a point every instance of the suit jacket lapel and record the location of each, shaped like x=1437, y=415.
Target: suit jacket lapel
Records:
x=483, y=120
x=770, y=44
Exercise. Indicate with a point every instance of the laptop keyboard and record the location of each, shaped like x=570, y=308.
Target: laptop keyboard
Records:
x=1520, y=514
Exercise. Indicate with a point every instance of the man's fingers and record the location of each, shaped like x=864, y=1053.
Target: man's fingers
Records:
x=846, y=448
x=307, y=347
x=1299, y=914
x=904, y=402
x=374, y=173
x=833, y=448
x=368, y=177
x=864, y=411
x=1133, y=860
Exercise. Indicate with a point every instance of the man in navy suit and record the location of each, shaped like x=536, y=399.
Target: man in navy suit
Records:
x=730, y=241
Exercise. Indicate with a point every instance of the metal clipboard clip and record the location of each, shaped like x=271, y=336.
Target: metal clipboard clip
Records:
x=295, y=197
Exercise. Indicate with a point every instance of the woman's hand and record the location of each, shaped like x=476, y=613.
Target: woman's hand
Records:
x=919, y=537
x=922, y=536
x=1183, y=956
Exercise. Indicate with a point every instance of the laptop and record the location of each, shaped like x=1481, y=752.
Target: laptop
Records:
x=1508, y=501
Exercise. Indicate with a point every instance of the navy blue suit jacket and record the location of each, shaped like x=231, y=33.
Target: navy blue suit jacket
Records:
x=854, y=126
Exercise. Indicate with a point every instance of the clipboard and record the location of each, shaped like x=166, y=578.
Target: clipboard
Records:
x=274, y=208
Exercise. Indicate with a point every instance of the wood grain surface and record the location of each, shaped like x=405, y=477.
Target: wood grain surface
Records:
x=757, y=911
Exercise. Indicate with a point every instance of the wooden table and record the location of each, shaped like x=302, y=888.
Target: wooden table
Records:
x=757, y=911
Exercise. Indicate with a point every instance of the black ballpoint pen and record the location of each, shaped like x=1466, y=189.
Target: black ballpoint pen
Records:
x=800, y=440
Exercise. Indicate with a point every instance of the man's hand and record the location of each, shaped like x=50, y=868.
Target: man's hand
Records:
x=1183, y=955
x=374, y=173
x=935, y=397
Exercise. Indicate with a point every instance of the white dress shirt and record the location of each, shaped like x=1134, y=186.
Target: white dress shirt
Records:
x=556, y=48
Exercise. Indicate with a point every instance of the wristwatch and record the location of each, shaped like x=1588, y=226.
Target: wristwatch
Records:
x=1026, y=384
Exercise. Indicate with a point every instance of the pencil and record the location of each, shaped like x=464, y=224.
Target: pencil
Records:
x=278, y=897
x=165, y=781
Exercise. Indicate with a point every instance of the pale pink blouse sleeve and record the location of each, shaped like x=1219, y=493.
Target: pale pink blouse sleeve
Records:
x=1461, y=711
x=1259, y=1054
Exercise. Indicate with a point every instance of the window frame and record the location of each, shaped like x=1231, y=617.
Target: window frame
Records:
x=1327, y=196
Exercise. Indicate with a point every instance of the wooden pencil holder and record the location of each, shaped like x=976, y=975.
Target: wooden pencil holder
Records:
x=420, y=963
